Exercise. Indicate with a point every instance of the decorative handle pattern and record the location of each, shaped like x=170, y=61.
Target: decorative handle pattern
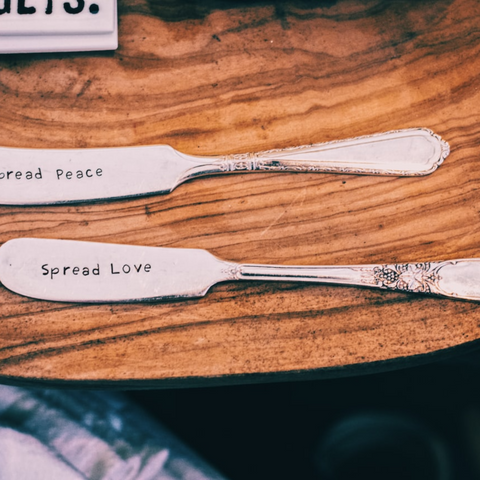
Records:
x=453, y=278
x=410, y=277
x=401, y=152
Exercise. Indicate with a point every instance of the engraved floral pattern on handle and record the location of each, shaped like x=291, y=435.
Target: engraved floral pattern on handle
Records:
x=239, y=162
x=409, y=277
x=232, y=271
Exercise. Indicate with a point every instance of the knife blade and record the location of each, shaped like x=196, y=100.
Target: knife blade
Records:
x=88, y=272
x=56, y=176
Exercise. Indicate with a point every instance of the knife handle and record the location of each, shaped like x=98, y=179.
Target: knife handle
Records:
x=409, y=152
x=453, y=278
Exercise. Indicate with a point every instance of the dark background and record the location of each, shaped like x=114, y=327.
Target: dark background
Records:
x=274, y=431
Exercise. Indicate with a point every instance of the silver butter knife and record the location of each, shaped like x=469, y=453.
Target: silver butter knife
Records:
x=72, y=271
x=49, y=176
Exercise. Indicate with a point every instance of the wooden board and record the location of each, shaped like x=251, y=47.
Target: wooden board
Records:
x=217, y=77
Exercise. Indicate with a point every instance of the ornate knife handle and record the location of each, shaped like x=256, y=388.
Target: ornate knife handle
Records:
x=453, y=278
x=58, y=176
x=413, y=151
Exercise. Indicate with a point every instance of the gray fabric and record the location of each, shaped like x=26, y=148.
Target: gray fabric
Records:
x=75, y=435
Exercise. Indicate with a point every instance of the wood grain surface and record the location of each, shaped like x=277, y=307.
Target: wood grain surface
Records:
x=214, y=77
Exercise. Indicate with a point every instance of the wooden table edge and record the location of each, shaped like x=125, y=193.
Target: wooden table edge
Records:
x=324, y=373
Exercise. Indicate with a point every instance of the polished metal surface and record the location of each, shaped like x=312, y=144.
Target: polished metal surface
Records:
x=42, y=176
x=72, y=271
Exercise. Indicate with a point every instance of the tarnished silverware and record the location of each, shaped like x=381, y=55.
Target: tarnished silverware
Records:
x=49, y=176
x=72, y=271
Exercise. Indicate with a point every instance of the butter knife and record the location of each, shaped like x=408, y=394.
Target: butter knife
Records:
x=73, y=271
x=56, y=176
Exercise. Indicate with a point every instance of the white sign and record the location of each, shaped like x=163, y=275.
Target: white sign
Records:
x=57, y=25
